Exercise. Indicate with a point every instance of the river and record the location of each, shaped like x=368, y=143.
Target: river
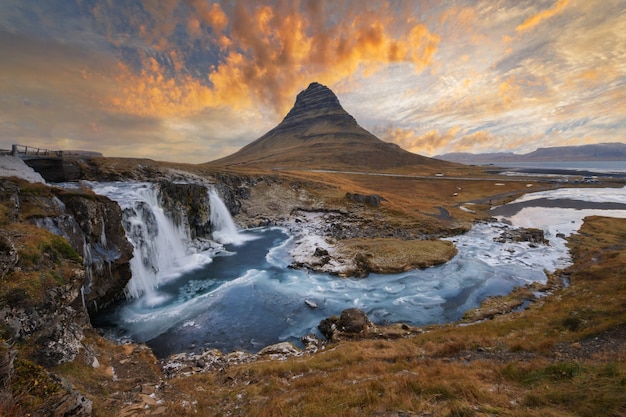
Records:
x=241, y=293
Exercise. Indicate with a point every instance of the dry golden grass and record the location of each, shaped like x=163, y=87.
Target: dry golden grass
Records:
x=394, y=255
x=533, y=363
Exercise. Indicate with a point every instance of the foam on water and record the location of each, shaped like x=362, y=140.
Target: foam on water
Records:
x=249, y=298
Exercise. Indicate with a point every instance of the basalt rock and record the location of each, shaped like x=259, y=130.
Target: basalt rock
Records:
x=188, y=204
x=93, y=226
x=352, y=324
x=530, y=235
x=369, y=199
x=8, y=254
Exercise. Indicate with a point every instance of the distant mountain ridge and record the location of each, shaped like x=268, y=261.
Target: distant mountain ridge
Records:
x=612, y=151
x=318, y=133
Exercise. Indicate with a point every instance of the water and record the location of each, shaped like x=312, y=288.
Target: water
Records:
x=587, y=166
x=244, y=296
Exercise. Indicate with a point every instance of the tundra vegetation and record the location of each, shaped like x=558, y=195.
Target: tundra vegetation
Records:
x=562, y=355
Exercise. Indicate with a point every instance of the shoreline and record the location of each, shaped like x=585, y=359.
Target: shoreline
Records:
x=510, y=209
x=555, y=171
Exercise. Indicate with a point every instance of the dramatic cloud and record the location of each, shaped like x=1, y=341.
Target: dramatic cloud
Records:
x=194, y=80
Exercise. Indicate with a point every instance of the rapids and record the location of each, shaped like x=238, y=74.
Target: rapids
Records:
x=241, y=294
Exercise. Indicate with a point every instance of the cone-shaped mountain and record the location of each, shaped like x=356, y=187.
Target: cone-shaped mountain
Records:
x=318, y=133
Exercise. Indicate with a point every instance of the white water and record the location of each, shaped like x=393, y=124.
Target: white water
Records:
x=224, y=229
x=249, y=298
x=162, y=250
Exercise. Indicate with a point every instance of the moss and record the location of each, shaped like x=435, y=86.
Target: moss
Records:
x=33, y=386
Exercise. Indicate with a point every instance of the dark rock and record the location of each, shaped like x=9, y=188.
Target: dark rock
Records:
x=531, y=235
x=370, y=199
x=328, y=326
x=187, y=204
x=101, y=239
x=55, y=169
x=8, y=255
x=354, y=320
x=314, y=103
x=352, y=324
x=319, y=252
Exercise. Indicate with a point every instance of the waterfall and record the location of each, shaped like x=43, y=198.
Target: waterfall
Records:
x=162, y=244
x=224, y=228
x=160, y=247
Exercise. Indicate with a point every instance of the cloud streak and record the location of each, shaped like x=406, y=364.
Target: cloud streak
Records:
x=172, y=78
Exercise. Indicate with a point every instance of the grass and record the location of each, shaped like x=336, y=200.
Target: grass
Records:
x=542, y=361
x=394, y=255
x=506, y=366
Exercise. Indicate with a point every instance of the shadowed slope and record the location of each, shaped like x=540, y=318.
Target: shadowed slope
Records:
x=318, y=133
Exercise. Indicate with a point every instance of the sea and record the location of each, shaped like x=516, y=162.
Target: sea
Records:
x=602, y=167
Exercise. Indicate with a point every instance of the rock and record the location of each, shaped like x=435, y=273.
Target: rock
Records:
x=8, y=255
x=311, y=343
x=283, y=349
x=531, y=235
x=188, y=204
x=352, y=324
x=354, y=320
x=73, y=404
x=370, y=199
x=320, y=252
x=328, y=326
x=97, y=221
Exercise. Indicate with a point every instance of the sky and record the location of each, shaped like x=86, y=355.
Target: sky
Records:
x=195, y=80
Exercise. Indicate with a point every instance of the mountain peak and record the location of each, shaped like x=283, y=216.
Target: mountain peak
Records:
x=318, y=133
x=317, y=102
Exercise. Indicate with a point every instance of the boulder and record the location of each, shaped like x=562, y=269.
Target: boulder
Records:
x=282, y=349
x=352, y=324
x=369, y=199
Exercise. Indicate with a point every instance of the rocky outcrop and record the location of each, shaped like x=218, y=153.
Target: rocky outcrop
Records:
x=353, y=324
x=370, y=199
x=188, y=204
x=106, y=251
x=8, y=254
x=315, y=103
x=530, y=235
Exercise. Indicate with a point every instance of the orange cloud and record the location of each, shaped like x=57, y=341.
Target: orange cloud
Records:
x=535, y=19
x=426, y=143
x=268, y=55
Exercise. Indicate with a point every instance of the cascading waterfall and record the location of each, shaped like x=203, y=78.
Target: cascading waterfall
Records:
x=160, y=247
x=224, y=229
x=163, y=248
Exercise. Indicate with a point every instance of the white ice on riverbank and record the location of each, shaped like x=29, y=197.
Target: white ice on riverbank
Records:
x=593, y=195
x=558, y=223
x=11, y=166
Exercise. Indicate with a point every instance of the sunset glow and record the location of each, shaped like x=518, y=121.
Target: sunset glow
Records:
x=195, y=80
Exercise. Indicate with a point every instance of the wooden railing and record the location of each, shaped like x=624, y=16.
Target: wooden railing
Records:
x=31, y=151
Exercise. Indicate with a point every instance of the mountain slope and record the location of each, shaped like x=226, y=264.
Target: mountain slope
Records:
x=318, y=133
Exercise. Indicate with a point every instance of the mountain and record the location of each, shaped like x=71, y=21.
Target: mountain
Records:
x=614, y=151
x=318, y=133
